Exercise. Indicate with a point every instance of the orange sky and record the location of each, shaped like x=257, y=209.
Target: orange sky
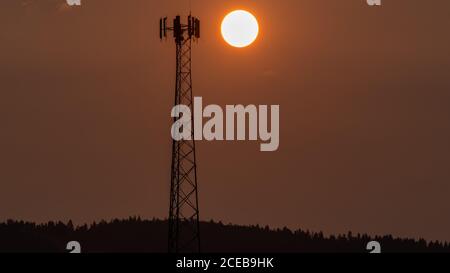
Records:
x=86, y=95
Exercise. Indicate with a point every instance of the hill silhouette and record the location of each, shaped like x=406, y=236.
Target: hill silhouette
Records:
x=135, y=235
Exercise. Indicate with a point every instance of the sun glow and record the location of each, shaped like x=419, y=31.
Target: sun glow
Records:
x=240, y=28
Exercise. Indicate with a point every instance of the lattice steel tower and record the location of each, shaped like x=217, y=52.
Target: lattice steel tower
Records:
x=184, y=225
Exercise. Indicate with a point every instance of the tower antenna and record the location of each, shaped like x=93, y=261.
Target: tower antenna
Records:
x=184, y=224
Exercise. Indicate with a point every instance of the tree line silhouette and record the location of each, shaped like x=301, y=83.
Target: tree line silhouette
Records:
x=135, y=235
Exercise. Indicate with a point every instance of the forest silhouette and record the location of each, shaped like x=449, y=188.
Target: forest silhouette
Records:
x=135, y=235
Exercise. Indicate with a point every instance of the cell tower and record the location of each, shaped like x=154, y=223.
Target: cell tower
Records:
x=184, y=225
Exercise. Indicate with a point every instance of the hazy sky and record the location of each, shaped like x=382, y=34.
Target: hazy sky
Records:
x=86, y=93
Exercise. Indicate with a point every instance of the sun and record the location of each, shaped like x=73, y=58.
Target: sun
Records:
x=240, y=28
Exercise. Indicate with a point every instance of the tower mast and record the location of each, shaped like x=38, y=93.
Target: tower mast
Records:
x=184, y=225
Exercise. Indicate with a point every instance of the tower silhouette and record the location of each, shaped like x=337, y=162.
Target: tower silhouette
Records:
x=184, y=225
